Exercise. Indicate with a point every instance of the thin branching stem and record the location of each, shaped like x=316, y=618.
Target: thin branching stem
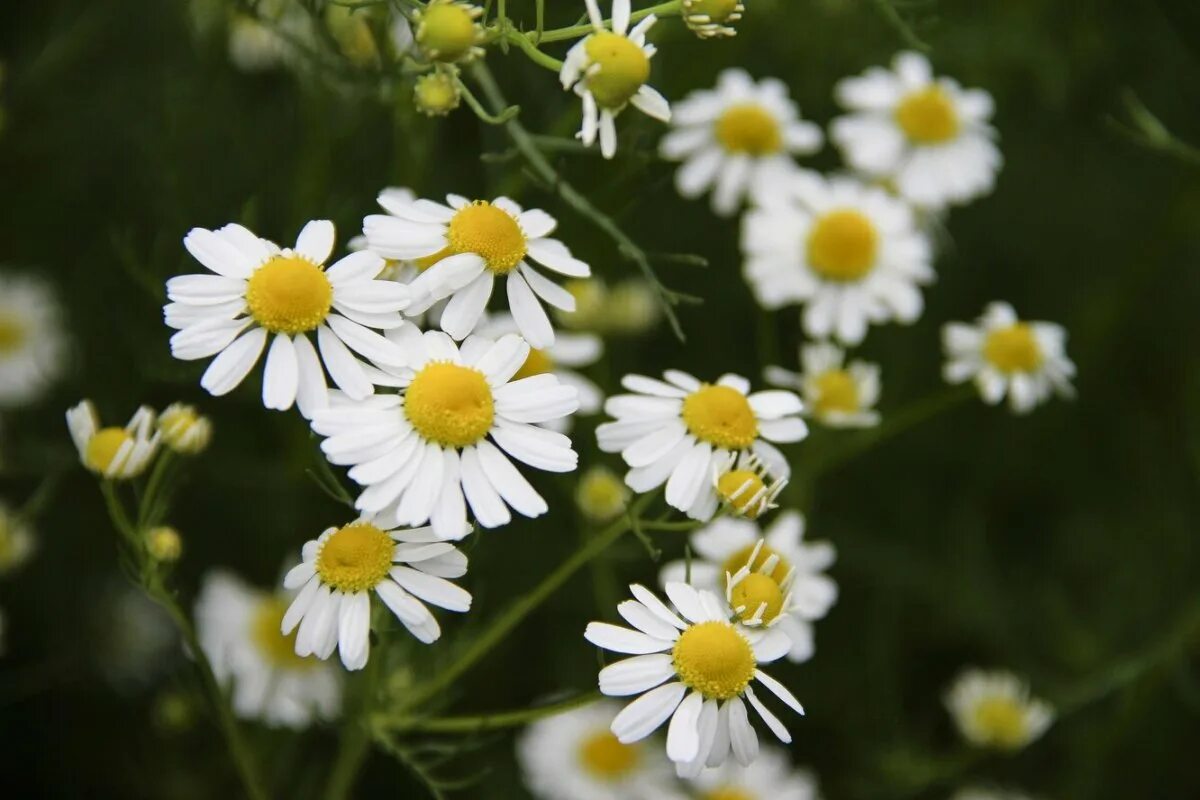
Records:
x=482, y=723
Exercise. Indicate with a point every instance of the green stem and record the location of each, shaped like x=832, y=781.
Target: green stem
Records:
x=480, y=723
x=668, y=9
x=147, y=515
x=905, y=30
x=682, y=525
x=355, y=743
x=530, y=49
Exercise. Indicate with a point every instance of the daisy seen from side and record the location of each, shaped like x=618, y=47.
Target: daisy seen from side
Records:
x=113, y=452
x=836, y=393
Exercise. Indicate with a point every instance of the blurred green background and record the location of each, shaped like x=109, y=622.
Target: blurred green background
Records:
x=1061, y=545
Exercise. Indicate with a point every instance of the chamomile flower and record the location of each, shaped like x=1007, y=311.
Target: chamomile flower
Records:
x=750, y=485
x=449, y=31
x=261, y=292
x=710, y=19
x=33, y=344
x=238, y=627
x=608, y=70
x=1003, y=355
x=601, y=495
x=694, y=668
x=17, y=542
x=627, y=309
x=777, y=568
x=770, y=777
x=835, y=393
x=342, y=567
x=851, y=254
x=460, y=249
x=995, y=709
x=184, y=429
x=113, y=453
x=683, y=433
x=981, y=793
x=737, y=139
x=574, y=756
x=419, y=452
x=928, y=137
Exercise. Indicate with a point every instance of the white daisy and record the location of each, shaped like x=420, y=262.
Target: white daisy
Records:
x=1003, y=355
x=749, y=486
x=260, y=291
x=418, y=452
x=184, y=429
x=701, y=655
x=848, y=252
x=770, y=777
x=344, y=565
x=113, y=453
x=795, y=587
x=461, y=248
x=608, y=70
x=238, y=627
x=17, y=542
x=33, y=345
x=736, y=139
x=684, y=433
x=926, y=136
x=995, y=709
x=837, y=394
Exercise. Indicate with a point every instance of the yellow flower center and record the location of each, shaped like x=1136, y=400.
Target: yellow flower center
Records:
x=538, y=362
x=742, y=557
x=842, y=245
x=720, y=416
x=447, y=31
x=1001, y=720
x=738, y=487
x=728, y=793
x=623, y=69
x=715, y=10
x=355, y=558
x=450, y=404
x=103, y=447
x=164, y=543
x=754, y=590
x=714, y=659
x=837, y=392
x=289, y=294
x=749, y=128
x=1013, y=349
x=927, y=116
x=605, y=758
x=488, y=231
x=12, y=335
x=436, y=94
x=277, y=649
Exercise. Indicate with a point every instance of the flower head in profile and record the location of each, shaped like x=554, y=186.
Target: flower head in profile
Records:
x=835, y=393
x=608, y=70
x=995, y=709
x=33, y=342
x=113, y=452
x=749, y=486
x=17, y=542
x=448, y=31
x=184, y=429
x=770, y=777
x=710, y=19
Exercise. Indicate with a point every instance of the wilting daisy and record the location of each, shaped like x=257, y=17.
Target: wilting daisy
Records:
x=796, y=591
x=770, y=777
x=710, y=19
x=837, y=394
x=112, y=452
x=344, y=565
x=609, y=70
x=1003, y=355
x=849, y=253
x=736, y=139
x=461, y=248
x=693, y=668
x=261, y=292
x=927, y=136
x=419, y=452
x=995, y=709
x=574, y=756
x=183, y=429
x=17, y=543
x=239, y=629
x=685, y=433
x=32, y=341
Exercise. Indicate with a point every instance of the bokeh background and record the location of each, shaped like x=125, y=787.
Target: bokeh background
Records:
x=1061, y=545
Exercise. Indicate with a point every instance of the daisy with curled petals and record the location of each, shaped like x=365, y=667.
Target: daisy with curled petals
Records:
x=736, y=139
x=851, y=254
x=692, y=668
x=113, y=453
x=770, y=777
x=750, y=485
x=684, y=433
x=837, y=394
x=33, y=346
x=608, y=70
x=340, y=569
x=995, y=709
x=419, y=452
x=261, y=292
x=460, y=249
x=928, y=137
x=1003, y=355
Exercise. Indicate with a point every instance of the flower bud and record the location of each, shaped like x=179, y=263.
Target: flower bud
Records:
x=164, y=543
x=436, y=94
x=184, y=430
x=601, y=495
x=447, y=31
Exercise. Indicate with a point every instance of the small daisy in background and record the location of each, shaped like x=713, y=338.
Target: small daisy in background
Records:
x=33, y=343
x=184, y=430
x=770, y=777
x=982, y=793
x=851, y=254
x=736, y=139
x=835, y=393
x=608, y=69
x=1004, y=356
x=343, y=566
x=928, y=137
x=17, y=542
x=601, y=494
x=113, y=453
x=711, y=19
x=574, y=756
x=239, y=629
x=749, y=487
x=628, y=308
x=995, y=709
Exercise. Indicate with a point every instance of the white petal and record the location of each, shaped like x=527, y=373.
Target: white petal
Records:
x=316, y=241
x=636, y=675
x=623, y=640
x=643, y=716
x=528, y=312
x=772, y=721
x=281, y=376
x=345, y=370
x=683, y=735
x=779, y=690
x=230, y=368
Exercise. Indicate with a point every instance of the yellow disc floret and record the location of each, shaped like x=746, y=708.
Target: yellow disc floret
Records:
x=355, y=558
x=289, y=294
x=447, y=31
x=837, y=392
x=738, y=488
x=928, y=116
x=605, y=758
x=714, y=659
x=490, y=232
x=623, y=68
x=12, y=335
x=842, y=245
x=276, y=648
x=1013, y=349
x=754, y=591
x=436, y=94
x=1001, y=721
x=538, y=362
x=721, y=416
x=728, y=793
x=742, y=557
x=103, y=447
x=715, y=10
x=450, y=404
x=748, y=128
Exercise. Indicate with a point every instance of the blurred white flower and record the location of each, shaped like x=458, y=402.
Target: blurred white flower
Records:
x=113, y=453
x=17, y=542
x=33, y=345
x=995, y=709
x=980, y=793
x=837, y=394
x=184, y=429
x=770, y=777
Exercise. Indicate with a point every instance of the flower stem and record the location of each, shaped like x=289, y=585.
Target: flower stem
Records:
x=668, y=9
x=356, y=735
x=480, y=723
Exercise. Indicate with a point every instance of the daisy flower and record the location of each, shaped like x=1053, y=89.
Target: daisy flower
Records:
x=693, y=668
x=995, y=709
x=417, y=453
x=683, y=433
x=449, y=31
x=748, y=489
x=777, y=568
x=113, y=453
x=17, y=543
x=238, y=628
x=33, y=345
x=184, y=430
x=574, y=756
x=926, y=136
x=608, y=70
x=770, y=777
x=736, y=139
x=344, y=565
x=261, y=292
x=461, y=248
x=1003, y=355
x=849, y=253
x=837, y=394
x=710, y=19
